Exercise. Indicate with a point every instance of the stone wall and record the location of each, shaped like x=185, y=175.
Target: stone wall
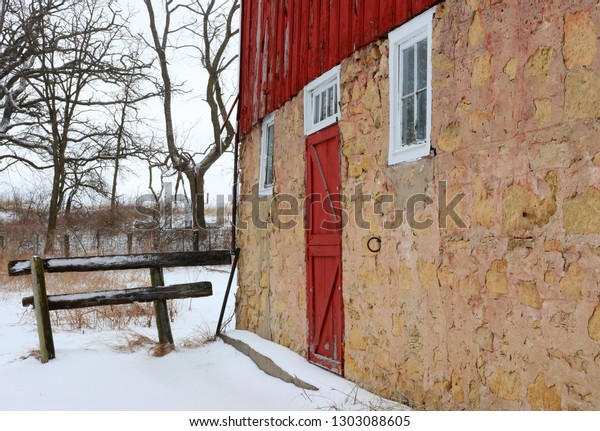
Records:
x=503, y=313
x=271, y=298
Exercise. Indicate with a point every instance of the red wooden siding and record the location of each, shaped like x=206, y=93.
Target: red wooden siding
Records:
x=288, y=43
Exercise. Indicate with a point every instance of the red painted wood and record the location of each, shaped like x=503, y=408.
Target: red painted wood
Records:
x=320, y=33
x=325, y=309
x=334, y=34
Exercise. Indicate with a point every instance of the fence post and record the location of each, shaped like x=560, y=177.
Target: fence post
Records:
x=97, y=243
x=161, y=312
x=42, y=313
x=129, y=243
x=67, y=245
x=196, y=240
x=1, y=244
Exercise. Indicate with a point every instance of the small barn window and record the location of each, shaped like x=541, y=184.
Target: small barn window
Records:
x=321, y=101
x=267, y=174
x=410, y=89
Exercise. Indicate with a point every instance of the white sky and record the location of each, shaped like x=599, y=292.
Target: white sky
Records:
x=191, y=117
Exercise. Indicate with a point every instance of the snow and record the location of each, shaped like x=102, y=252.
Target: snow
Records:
x=89, y=374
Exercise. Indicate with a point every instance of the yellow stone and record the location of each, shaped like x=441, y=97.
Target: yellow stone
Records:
x=357, y=340
x=412, y=369
x=506, y=384
x=445, y=276
x=553, y=181
x=441, y=63
x=522, y=209
x=581, y=213
x=543, y=112
x=478, y=120
x=582, y=96
x=476, y=31
x=427, y=274
x=596, y=160
x=571, y=284
x=469, y=287
x=482, y=71
x=405, y=278
x=579, y=46
x=484, y=338
x=510, y=68
x=528, y=294
x=397, y=325
x=449, y=139
x=538, y=64
x=483, y=206
x=542, y=397
x=594, y=324
x=496, y=280
x=456, y=389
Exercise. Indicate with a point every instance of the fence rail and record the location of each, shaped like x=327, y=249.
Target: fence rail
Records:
x=158, y=293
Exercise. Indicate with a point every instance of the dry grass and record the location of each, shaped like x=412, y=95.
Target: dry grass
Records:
x=111, y=316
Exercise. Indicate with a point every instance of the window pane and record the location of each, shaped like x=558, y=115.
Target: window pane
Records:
x=317, y=105
x=408, y=70
x=408, y=120
x=323, y=105
x=269, y=157
x=421, y=114
x=422, y=64
x=335, y=99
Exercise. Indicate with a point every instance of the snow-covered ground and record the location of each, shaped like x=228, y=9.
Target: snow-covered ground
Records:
x=89, y=373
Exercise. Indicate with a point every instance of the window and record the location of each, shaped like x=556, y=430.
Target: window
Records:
x=321, y=101
x=410, y=89
x=267, y=175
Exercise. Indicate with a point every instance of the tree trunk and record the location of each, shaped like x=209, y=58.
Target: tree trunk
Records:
x=196, y=180
x=53, y=210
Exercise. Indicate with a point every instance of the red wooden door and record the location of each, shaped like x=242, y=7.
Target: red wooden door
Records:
x=325, y=306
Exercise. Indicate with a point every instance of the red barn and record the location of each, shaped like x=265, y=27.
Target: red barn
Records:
x=420, y=195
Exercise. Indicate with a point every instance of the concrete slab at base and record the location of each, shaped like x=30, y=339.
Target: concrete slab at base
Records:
x=266, y=364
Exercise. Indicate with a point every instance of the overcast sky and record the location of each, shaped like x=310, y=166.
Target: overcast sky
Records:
x=191, y=117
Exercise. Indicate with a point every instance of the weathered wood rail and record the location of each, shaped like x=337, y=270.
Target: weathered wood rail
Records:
x=158, y=293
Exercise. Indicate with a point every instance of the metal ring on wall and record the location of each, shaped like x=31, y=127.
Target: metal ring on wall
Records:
x=371, y=248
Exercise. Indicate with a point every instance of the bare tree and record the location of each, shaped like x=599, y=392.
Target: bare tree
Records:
x=214, y=25
x=80, y=57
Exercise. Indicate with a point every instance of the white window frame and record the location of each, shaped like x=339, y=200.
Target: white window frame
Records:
x=267, y=122
x=315, y=87
x=404, y=36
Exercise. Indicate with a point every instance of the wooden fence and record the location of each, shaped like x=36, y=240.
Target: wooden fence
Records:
x=158, y=293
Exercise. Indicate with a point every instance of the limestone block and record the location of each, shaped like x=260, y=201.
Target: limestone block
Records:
x=538, y=65
x=483, y=206
x=528, y=294
x=581, y=213
x=484, y=338
x=594, y=324
x=542, y=397
x=506, y=384
x=357, y=341
x=397, y=325
x=582, y=95
x=482, y=71
x=476, y=30
x=496, y=280
x=543, y=112
x=571, y=284
x=510, y=68
x=522, y=209
x=427, y=274
x=449, y=138
x=579, y=46
x=405, y=278
x=412, y=369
